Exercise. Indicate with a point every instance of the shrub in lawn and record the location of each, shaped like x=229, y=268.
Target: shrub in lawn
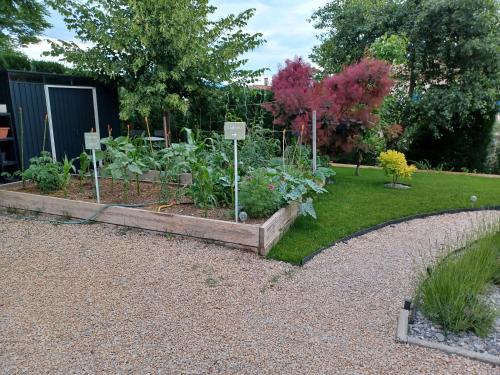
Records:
x=451, y=295
x=259, y=195
x=395, y=165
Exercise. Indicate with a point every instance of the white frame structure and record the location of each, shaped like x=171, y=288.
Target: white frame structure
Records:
x=49, y=111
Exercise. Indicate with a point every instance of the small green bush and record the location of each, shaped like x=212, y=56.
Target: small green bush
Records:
x=259, y=196
x=452, y=294
x=45, y=173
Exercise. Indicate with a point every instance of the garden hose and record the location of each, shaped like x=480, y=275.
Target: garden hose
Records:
x=87, y=220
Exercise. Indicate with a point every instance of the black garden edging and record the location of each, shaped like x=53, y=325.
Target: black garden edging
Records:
x=393, y=222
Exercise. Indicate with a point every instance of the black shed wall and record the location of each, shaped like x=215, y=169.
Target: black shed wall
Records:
x=26, y=90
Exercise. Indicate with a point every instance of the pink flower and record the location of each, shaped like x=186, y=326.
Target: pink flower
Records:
x=271, y=187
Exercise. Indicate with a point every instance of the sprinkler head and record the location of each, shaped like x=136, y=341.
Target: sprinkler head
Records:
x=473, y=198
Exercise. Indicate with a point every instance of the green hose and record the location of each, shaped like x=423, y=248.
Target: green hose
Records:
x=88, y=220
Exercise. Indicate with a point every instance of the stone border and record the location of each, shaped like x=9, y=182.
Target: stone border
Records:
x=403, y=337
x=256, y=238
x=362, y=232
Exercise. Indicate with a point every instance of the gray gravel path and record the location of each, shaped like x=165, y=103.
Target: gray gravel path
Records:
x=101, y=299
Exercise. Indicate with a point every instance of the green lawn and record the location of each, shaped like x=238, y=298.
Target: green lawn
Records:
x=356, y=203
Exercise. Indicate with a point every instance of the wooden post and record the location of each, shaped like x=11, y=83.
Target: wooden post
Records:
x=166, y=120
x=149, y=133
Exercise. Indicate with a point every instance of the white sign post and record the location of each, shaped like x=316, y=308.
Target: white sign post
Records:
x=314, y=141
x=93, y=142
x=236, y=132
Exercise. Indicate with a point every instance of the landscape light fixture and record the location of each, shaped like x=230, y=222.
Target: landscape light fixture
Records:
x=243, y=216
x=473, y=200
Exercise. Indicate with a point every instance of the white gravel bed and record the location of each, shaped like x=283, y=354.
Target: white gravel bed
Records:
x=103, y=299
x=424, y=329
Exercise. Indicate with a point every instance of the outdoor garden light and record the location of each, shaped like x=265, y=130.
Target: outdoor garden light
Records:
x=473, y=200
x=243, y=216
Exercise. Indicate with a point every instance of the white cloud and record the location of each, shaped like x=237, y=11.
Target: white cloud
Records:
x=34, y=51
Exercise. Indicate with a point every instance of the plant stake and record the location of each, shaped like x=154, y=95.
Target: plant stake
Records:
x=235, y=131
x=93, y=142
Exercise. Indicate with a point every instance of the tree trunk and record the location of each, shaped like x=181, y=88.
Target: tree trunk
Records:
x=412, y=55
x=358, y=164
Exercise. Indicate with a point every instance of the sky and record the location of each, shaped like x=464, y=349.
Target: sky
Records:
x=284, y=24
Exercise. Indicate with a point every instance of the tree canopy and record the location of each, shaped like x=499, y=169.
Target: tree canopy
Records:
x=344, y=102
x=21, y=21
x=451, y=75
x=161, y=52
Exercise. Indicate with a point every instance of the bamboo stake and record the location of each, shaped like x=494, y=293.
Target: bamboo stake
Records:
x=149, y=133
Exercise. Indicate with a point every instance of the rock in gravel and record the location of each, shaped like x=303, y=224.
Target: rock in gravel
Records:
x=440, y=337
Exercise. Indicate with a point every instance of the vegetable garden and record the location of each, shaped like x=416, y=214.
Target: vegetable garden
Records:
x=135, y=170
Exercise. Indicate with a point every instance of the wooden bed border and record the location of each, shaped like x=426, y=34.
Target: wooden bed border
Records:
x=257, y=238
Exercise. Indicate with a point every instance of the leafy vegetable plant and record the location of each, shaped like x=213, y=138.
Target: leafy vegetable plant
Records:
x=44, y=172
x=259, y=194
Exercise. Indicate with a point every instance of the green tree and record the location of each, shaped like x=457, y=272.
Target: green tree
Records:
x=48, y=67
x=348, y=28
x=21, y=21
x=162, y=53
x=452, y=74
x=10, y=59
x=391, y=48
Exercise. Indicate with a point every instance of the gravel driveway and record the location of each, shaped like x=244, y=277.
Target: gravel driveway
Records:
x=104, y=299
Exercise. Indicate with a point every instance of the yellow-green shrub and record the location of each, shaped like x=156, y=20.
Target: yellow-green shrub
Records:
x=395, y=165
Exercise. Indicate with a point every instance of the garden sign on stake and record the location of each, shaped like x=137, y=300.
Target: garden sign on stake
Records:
x=236, y=132
x=93, y=142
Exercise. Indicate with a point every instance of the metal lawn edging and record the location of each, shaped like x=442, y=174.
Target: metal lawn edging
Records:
x=362, y=232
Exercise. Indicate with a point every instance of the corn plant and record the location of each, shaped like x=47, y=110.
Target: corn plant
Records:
x=84, y=166
x=65, y=176
x=202, y=190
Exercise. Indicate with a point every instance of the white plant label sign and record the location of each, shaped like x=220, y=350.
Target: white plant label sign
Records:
x=92, y=141
x=235, y=130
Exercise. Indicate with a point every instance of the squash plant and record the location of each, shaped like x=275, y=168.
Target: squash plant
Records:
x=123, y=160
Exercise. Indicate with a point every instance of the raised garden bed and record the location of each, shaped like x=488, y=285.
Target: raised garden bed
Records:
x=258, y=237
